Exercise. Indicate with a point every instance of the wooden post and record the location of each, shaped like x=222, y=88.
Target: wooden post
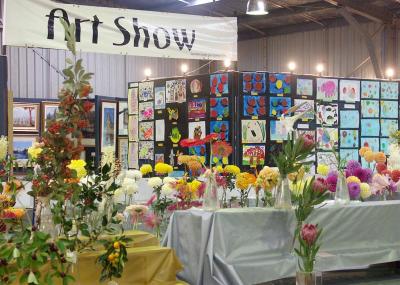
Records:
x=3, y=97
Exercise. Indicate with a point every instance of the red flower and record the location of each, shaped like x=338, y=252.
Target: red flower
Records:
x=395, y=175
x=82, y=124
x=386, y=172
x=258, y=77
x=213, y=102
x=224, y=79
x=380, y=167
x=213, y=89
x=221, y=149
x=190, y=142
x=224, y=101
x=248, y=86
x=309, y=233
x=287, y=79
x=220, y=88
x=210, y=137
x=258, y=86
x=319, y=185
x=247, y=77
x=214, y=81
x=87, y=106
x=272, y=78
x=213, y=114
x=54, y=128
x=308, y=142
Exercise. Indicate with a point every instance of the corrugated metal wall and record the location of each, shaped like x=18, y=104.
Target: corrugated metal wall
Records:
x=341, y=49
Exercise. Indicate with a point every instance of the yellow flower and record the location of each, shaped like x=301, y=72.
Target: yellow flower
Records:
x=225, y=160
x=365, y=191
x=244, y=180
x=219, y=169
x=163, y=168
x=79, y=167
x=353, y=179
x=323, y=169
x=232, y=169
x=297, y=188
x=267, y=178
x=146, y=169
x=34, y=152
x=194, y=186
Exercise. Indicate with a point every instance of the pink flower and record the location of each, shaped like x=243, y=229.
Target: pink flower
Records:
x=319, y=185
x=351, y=166
x=151, y=200
x=354, y=190
x=202, y=188
x=151, y=220
x=221, y=181
x=331, y=181
x=308, y=142
x=309, y=233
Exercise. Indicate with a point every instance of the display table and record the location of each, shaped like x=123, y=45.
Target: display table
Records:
x=253, y=245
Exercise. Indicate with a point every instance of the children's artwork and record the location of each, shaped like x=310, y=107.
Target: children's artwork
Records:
x=254, y=83
x=146, y=111
x=370, y=127
x=389, y=109
x=108, y=124
x=327, y=89
x=369, y=108
x=176, y=91
x=384, y=145
x=373, y=143
x=350, y=90
x=175, y=135
x=254, y=106
x=221, y=128
x=133, y=155
x=195, y=86
x=200, y=151
x=327, y=158
x=349, y=138
x=219, y=108
x=173, y=113
x=159, y=99
x=133, y=103
x=146, y=150
x=254, y=131
x=388, y=127
x=21, y=144
x=327, y=114
x=197, y=109
x=158, y=158
x=277, y=131
x=370, y=89
x=253, y=155
x=123, y=150
x=219, y=84
x=197, y=130
x=123, y=118
x=279, y=105
x=348, y=154
x=327, y=138
x=389, y=90
x=160, y=130
x=146, y=91
x=304, y=87
x=146, y=131
x=279, y=83
x=306, y=105
x=133, y=128
x=26, y=117
x=349, y=119
x=305, y=132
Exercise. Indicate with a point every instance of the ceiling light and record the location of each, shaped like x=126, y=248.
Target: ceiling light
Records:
x=227, y=62
x=147, y=73
x=389, y=73
x=320, y=68
x=257, y=7
x=184, y=68
x=292, y=66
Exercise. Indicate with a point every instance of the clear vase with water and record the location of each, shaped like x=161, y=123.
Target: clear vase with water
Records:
x=211, y=200
x=283, y=196
x=342, y=196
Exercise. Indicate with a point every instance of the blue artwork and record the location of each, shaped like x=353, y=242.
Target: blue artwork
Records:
x=385, y=142
x=389, y=109
x=370, y=127
x=279, y=105
x=21, y=149
x=388, y=126
x=279, y=83
x=219, y=84
x=219, y=108
x=373, y=143
x=349, y=154
x=108, y=132
x=370, y=108
x=254, y=106
x=254, y=83
x=200, y=151
x=349, y=119
x=370, y=89
x=221, y=128
x=389, y=90
x=277, y=131
x=349, y=138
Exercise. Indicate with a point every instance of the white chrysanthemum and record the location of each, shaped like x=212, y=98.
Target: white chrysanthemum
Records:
x=167, y=189
x=394, y=157
x=3, y=147
x=169, y=180
x=134, y=174
x=119, y=192
x=155, y=182
x=130, y=186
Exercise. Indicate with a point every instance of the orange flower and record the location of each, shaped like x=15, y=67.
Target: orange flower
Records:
x=380, y=157
x=244, y=180
x=221, y=149
x=10, y=186
x=369, y=156
x=363, y=150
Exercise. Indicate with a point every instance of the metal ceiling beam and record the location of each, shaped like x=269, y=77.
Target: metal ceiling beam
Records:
x=370, y=11
x=367, y=38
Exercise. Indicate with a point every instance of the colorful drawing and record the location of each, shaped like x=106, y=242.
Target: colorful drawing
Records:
x=146, y=91
x=123, y=150
x=389, y=90
x=327, y=89
x=384, y=145
x=327, y=138
x=373, y=143
x=304, y=87
x=221, y=128
x=175, y=91
x=279, y=105
x=173, y=113
x=370, y=89
x=133, y=103
x=146, y=131
x=197, y=130
x=348, y=154
x=369, y=108
x=327, y=114
x=159, y=99
x=307, y=105
x=160, y=130
x=146, y=150
x=133, y=128
x=254, y=131
x=197, y=109
x=348, y=138
x=26, y=117
x=279, y=83
x=370, y=127
x=388, y=127
x=159, y=158
x=219, y=84
x=389, y=109
x=123, y=118
x=133, y=155
x=305, y=132
x=219, y=108
x=350, y=90
x=327, y=158
x=277, y=131
x=200, y=151
x=146, y=111
x=254, y=83
x=254, y=106
x=195, y=86
x=109, y=124
x=175, y=135
x=349, y=119
x=49, y=113
x=253, y=155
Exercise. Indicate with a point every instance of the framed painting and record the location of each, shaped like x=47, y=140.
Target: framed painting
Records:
x=123, y=118
x=123, y=150
x=49, y=113
x=108, y=130
x=26, y=117
x=21, y=144
x=89, y=133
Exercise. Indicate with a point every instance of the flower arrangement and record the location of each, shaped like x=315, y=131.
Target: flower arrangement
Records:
x=267, y=180
x=137, y=213
x=225, y=180
x=308, y=239
x=244, y=182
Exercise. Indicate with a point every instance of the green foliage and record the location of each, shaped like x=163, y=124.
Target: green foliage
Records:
x=307, y=253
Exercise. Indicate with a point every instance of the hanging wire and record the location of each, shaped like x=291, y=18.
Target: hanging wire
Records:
x=48, y=62
x=200, y=67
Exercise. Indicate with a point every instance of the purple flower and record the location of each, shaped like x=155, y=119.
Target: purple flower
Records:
x=364, y=174
x=331, y=181
x=351, y=167
x=392, y=186
x=354, y=190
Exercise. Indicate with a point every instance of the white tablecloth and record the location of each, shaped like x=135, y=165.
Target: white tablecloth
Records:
x=251, y=246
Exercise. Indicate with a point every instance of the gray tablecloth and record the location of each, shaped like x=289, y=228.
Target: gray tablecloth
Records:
x=251, y=246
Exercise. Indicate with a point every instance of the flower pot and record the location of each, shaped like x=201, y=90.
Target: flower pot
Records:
x=283, y=198
x=342, y=196
x=306, y=278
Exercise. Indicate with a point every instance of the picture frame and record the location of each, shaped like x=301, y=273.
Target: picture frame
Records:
x=89, y=132
x=21, y=143
x=49, y=110
x=123, y=118
x=123, y=152
x=26, y=117
x=108, y=127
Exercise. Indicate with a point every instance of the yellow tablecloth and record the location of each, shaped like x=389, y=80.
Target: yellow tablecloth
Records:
x=139, y=238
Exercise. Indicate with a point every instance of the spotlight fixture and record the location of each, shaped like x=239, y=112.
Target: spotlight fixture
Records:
x=292, y=66
x=227, y=63
x=184, y=68
x=257, y=7
x=320, y=68
x=389, y=73
x=147, y=73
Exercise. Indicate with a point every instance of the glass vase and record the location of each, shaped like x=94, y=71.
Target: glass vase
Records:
x=306, y=278
x=342, y=196
x=211, y=201
x=44, y=217
x=283, y=198
x=73, y=268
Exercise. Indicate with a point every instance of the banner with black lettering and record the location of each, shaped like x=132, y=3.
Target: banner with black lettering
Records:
x=120, y=31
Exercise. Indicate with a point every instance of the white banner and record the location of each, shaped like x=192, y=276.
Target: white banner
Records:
x=35, y=23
